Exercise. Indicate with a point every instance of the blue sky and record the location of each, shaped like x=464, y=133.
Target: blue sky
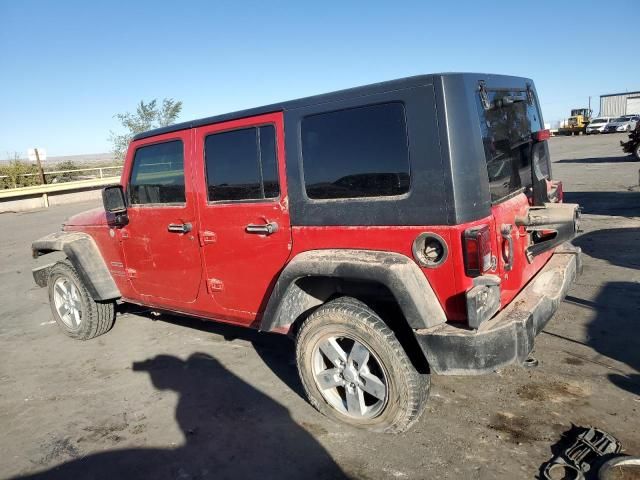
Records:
x=66, y=67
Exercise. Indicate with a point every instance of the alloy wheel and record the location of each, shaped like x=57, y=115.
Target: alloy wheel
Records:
x=67, y=302
x=350, y=377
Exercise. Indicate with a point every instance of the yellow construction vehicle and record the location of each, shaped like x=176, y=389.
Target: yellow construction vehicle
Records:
x=576, y=123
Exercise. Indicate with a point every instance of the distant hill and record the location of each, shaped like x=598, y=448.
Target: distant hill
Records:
x=96, y=158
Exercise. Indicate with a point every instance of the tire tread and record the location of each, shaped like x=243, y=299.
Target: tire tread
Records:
x=100, y=315
x=418, y=384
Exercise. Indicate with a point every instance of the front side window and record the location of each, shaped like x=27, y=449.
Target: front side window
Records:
x=359, y=152
x=157, y=175
x=242, y=164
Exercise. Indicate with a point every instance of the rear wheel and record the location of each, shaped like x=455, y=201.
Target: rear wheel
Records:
x=354, y=369
x=77, y=314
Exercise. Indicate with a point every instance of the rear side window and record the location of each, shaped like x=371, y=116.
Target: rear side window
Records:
x=359, y=152
x=242, y=164
x=157, y=175
x=506, y=135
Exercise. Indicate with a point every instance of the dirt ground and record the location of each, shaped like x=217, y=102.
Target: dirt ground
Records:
x=178, y=398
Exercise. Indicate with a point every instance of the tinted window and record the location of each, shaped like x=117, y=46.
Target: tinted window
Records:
x=360, y=152
x=158, y=174
x=241, y=164
x=506, y=135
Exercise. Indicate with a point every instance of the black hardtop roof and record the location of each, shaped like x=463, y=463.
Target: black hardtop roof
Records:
x=361, y=91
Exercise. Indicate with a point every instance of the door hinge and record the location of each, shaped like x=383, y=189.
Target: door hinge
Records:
x=207, y=238
x=131, y=273
x=484, y=96
x=214, y=285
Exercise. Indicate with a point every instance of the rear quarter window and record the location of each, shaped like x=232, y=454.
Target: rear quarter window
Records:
x=357, y=152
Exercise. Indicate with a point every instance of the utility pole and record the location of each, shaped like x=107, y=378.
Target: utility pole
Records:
x=43, y=180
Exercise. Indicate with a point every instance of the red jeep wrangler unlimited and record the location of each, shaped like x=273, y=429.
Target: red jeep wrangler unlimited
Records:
x=394, y=230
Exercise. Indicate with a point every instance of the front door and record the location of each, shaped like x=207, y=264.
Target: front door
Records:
x=244, y=218
x=160, y=243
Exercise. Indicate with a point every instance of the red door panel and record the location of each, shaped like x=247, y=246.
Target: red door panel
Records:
x=245, y=241
x=162, y=263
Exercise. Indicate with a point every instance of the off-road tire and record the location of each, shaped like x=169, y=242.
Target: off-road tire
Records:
x=96, y=317
x=407, y=389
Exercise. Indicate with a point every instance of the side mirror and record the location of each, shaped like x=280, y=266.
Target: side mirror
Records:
x=115, y=205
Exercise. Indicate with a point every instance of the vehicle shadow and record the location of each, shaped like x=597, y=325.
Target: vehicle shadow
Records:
x=231, y=430
x=275, y=350
x=621, y=204
x=616, y=159
x=613, y=331
x=615, y=245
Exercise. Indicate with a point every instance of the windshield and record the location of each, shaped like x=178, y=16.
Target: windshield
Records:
x=621, y=119
x=506, y=136
x=600, y=120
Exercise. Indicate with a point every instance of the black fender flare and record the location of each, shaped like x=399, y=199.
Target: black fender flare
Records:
x=397, y=272
x=84, y=255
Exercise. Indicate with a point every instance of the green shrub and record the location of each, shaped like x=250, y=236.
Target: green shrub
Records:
x=15, y=171
x=64, y=177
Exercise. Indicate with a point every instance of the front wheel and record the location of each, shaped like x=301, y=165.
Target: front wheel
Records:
x=636, y=151
x=354, y=369
x=77, y=314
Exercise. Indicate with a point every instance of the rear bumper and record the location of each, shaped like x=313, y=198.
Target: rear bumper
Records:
x=509, y=336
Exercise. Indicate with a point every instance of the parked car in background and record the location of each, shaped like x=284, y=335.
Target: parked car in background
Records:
x=626, y=123
x=597, y=125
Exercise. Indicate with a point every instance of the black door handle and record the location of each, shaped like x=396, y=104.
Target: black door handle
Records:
x=263, y=229
x=505, y=232
x=179, y=227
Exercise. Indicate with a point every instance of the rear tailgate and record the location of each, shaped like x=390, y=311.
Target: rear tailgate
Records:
x=517, y=158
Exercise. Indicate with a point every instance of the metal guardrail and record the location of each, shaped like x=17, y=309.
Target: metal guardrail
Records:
x=44, y=190
x=111, y=171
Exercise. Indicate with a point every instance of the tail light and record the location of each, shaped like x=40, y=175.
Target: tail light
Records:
x=541, y=135
x=477, y=250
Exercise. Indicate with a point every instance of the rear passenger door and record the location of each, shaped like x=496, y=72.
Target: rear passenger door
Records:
x=244, y=217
